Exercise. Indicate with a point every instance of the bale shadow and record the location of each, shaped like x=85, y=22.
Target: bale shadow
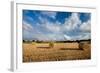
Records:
x=44, y=47
x=71, y=49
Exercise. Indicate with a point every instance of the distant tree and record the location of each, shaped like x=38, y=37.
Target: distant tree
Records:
x=23, y=40
x=33, y=40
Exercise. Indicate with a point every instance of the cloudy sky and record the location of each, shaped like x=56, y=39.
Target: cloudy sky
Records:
x=50, y=25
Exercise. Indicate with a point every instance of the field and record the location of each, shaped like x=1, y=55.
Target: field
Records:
x=37, y=52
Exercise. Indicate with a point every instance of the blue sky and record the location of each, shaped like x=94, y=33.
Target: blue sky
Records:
x=56, y=25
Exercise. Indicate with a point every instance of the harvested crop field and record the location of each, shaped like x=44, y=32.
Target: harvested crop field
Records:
x=38, y=52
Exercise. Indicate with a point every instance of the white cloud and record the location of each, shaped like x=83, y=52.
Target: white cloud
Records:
x=87, y=36
x=27, y=26
x=66, y=37
x=82, y=36
x=30, y=32
x=53, y=27
x=72, y=22
x=86, y=26
x=57, y=29
x=49, y=26
x=49, y=14
x=27, y=30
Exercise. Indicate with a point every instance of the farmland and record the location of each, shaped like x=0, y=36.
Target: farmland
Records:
x=56, y=51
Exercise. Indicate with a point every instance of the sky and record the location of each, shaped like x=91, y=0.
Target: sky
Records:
x=55, y=25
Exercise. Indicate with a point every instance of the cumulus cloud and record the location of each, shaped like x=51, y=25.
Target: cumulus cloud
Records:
x=53, y=27
x=47, y=30
x=72, y=22
x=86, y=26
x=48, y=25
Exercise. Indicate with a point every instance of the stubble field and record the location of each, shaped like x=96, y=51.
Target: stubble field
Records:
x=38, y=52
